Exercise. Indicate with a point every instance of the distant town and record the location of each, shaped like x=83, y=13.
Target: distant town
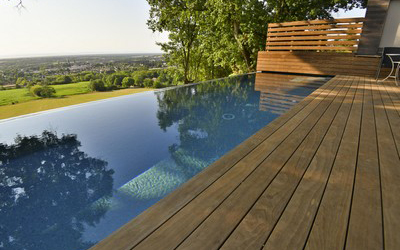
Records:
x=20, y=72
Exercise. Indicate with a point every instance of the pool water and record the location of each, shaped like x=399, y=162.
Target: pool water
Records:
x=71, y=176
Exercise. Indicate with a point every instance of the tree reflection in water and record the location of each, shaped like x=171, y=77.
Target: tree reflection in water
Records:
x=199, y=112
x=45, y=181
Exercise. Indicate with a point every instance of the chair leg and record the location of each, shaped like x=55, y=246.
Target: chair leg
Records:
x=397, y=74
x=391, y=72
x=379, y=72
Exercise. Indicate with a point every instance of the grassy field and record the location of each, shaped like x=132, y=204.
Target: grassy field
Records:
x=30, y=105
x=22, y=95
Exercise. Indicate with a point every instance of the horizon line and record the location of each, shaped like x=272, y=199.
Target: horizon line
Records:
x=26, y=56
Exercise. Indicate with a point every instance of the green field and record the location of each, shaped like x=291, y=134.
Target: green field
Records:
x=68, y=94
x=22, y=95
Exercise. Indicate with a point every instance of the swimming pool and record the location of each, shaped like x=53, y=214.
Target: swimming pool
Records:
x=70, y=177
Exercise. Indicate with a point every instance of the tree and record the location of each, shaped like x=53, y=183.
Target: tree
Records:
x=42, y=91
x=148, y=83
x=209, y=38
x=127, y=82
x=97, y=85
x=63, y=79
x=182, y=20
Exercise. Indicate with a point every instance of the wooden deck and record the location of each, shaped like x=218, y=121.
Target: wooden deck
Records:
x=325, y=175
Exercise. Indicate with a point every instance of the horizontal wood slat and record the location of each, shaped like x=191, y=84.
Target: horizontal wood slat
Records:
x=312, y=62
x=323, y=21
x=325, y=33
x=316, y=27
x=304, y=38
x=316, y=32
x=291, y=43
x=344, y=48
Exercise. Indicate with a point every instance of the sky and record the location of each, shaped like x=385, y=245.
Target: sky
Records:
x=71, y=27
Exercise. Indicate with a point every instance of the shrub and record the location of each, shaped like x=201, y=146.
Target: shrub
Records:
x=97, y=85
x=63, y=80
x=157, y=84
x=148, y=83
x=127, y=82
x=42, y=91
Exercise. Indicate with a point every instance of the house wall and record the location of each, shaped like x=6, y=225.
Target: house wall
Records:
x=391, y=31
x=373, y=27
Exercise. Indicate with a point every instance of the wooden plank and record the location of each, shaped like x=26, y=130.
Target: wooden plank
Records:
x=302, y=54
x=312, y=48
x=329, y=228
x=293, y=227
x=365, y=224
x=312, y=43
x=322, y=21
x=388, y=124
x=307, y=38
x=316, y=27
x=392, y=104
x=323, y=63
x=316, y=32
x=309, y=69
x=177, y=228
x=217, y=227
x=255, y=228
x=139, y=228
x=317, y=65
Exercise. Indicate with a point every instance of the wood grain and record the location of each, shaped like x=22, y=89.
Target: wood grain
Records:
x=388, y=124
x=329, y=229
x=322, y=21
x=365, y=225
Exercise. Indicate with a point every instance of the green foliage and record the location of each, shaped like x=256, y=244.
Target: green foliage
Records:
x=127, y=82
x=157, y=84
x=97, y=85
x=148, y=83
x=63, y=79
x=21, y=81
x=214, y=38
x=42, y=91
x=140, y=76
x=88, y=77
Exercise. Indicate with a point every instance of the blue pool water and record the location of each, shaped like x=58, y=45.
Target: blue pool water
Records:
x=70, y=177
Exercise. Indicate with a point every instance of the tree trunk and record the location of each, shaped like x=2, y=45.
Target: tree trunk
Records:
x=245, y=52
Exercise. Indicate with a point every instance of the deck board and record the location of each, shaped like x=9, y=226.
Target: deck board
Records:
x=330, y=225
x=324, y=175
x=365, y=225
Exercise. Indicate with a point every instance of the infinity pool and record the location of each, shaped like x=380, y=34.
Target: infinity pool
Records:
x=69, y=177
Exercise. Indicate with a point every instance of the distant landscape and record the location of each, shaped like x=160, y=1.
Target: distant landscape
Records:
x=67, y=80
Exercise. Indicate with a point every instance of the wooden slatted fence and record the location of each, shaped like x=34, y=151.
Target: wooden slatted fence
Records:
x=341, y=35
x=311, y=47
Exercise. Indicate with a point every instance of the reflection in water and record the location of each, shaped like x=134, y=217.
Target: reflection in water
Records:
x=199, y=112
x=45, y=181
x=281, y=92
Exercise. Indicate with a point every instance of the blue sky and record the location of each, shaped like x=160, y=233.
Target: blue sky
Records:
x=62, y=27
